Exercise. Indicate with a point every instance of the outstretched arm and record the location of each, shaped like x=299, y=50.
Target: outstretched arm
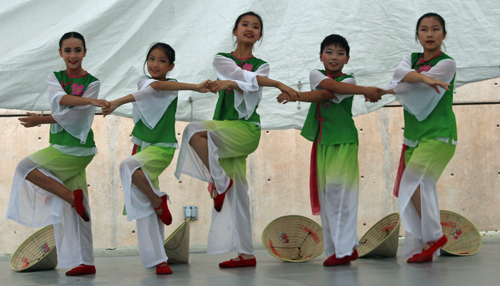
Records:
x=113, y=105
x=219, y=85
x=34, y=119
x=372, y=94
x=174, y=86
x=264, y=81
x=70, y=100
x=308, y=96
x=418, y=77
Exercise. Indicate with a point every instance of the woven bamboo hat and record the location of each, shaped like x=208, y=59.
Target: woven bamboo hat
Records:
x=293, y=238
x=463, y=236
x=177, y=244
x=38, y=252
x=381, y=240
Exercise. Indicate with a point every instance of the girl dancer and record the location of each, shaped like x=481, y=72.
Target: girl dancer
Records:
x=50, y=186
x=216, y=151
x=430, y=137
x=154, y=107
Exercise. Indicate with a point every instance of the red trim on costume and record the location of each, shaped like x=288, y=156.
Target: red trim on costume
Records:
x=313, y=180
x=401, y=169
x=241, y=58
x=313, y=174
x=333, y=76
x=421, y=60
x=86, y=73
x=72, y=77
x=65, y=84
x=134, y=150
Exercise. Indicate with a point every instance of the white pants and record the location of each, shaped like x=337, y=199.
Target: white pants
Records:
x=229, y=144
x=150, y=228
x=34, y=207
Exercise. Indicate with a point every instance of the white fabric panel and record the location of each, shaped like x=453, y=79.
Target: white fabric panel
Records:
x=419, y=231
x=119, y=32
x=150, y=104
x=76, y=120
x=136, y=203
x=420, y=99
x=246, y=102
x=150, y=236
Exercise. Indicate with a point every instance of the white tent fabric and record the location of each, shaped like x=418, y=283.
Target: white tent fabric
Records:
x=119, y=32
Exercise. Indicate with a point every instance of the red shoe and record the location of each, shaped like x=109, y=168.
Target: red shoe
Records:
x=219, y=200
x=418, y=258
x=79, y=206
x=241, y=263
x=334, y=261
x=165, y=216
x=426, y=255
x=81, y=270
x=163, y=268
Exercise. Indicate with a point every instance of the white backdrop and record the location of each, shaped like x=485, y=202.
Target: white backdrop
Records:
x=119, y=32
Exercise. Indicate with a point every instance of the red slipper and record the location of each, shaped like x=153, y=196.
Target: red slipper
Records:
x=81, y=270
x=435, y=245
x=163, y=268
x=419, y=258
x=219, y=200
x=334, y=261
x=241, y=263
x=165, y=216
x=79, y=206
x=426, y=255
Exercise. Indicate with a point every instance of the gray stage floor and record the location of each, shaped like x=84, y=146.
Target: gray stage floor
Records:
x=480, y=269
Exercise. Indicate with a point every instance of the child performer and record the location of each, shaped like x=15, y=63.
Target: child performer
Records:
x=154, y=107
x=430, y=137
x=216, y=151
x=334, y=177
x=50, y=186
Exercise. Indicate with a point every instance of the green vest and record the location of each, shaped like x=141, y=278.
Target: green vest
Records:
x=75, y=86
x=331, y=122
x=163, y=132
x=224, y=110
x=441, y=122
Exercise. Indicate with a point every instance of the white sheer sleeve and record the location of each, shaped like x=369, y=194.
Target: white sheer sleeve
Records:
x=403, y=68
x=316, y=77
x=339, y=97
x=150, y=104
x=246, y=102
x=420, y=99
x=76, y=120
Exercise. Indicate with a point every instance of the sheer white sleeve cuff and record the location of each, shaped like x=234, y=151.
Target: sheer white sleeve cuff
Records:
x=150, y=104
x=420, y=99
x=246, y=102
x=339, y=97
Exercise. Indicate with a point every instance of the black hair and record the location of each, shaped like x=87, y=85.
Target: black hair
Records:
x=167, y=49
x=427, y=15
x=336, y=40
x=250, y=13
x=70, y=35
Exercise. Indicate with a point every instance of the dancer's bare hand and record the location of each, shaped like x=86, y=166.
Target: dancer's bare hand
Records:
x=31, y=120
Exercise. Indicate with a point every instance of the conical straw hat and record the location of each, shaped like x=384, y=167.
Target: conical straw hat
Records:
x=381, y=240
x=38, y=252
x=293, y=238
x=463, y=236
x=177, y=244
